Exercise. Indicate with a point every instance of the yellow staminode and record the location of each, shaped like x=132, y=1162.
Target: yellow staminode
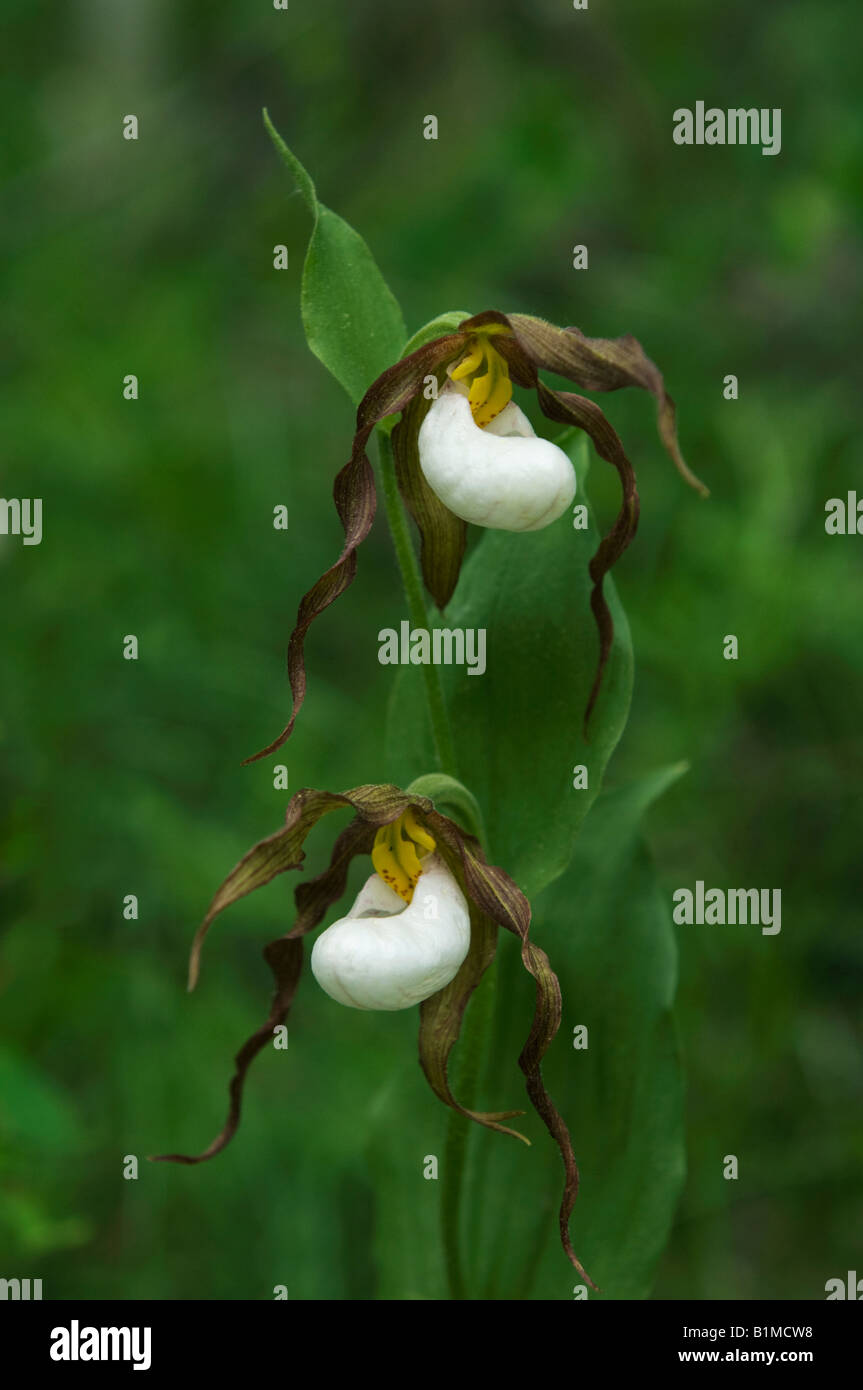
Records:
x=397, y=853
x=490, y=390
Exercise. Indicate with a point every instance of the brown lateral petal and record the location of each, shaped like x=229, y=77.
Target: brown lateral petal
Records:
x=443, y=535
x=603, y=364
x=568, y=409
x=496, y=894
x=488, y=886
x=355, y=499
x=285, y=955
x=546, y=1022
x=275, y=855
x=441, y=1019
x=285, y=958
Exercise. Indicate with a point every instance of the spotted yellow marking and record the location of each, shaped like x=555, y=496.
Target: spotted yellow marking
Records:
x=489, y=390
x=398, y=852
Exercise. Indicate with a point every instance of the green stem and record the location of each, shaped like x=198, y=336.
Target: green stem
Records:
x=468, y=1061
x=412, y=581
x=475, y=1028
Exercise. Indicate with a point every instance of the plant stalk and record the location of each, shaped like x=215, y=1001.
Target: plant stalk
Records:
x=412, y=582
x=475, y=1027
x=471, y=1056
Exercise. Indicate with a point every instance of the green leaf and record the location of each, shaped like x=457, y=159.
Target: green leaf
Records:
x=606, y=925
x=352, y=320
x=518, y=727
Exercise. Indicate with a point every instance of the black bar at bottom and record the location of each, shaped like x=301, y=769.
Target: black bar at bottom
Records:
x=84, y=1338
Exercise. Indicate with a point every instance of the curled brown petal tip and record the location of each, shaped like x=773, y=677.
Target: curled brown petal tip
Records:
x=441, y=1019
x=524, y=357
x=545, y=1025
x=274, y=855
x=285, y=958
x=567, y=408
x=355, y=499
x=285, y=955
x=495, y=894
x=604, y=364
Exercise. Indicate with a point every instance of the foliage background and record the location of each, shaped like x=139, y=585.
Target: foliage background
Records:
x=155, y=257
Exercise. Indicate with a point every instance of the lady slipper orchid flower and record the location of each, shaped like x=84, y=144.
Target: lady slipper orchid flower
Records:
x=475, y=454
x=423, y=929
x=465, y=453
x=396, y=948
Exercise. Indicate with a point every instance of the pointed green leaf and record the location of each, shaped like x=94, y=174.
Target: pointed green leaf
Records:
x=352, y=320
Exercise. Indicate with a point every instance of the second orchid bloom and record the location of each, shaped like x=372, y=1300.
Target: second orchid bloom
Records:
x=423, y=930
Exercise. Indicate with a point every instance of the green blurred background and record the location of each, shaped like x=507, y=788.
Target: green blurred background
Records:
x=155, y=257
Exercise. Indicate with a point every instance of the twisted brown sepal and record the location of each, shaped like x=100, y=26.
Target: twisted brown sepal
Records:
x=443, y=535
x=273, y=856
x=496, y=895
x=441, y=1019
x=285, y=958
x=568, y=409
x=495, y=898
x=597, y=364
x=355, y=499
x=603, y=364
